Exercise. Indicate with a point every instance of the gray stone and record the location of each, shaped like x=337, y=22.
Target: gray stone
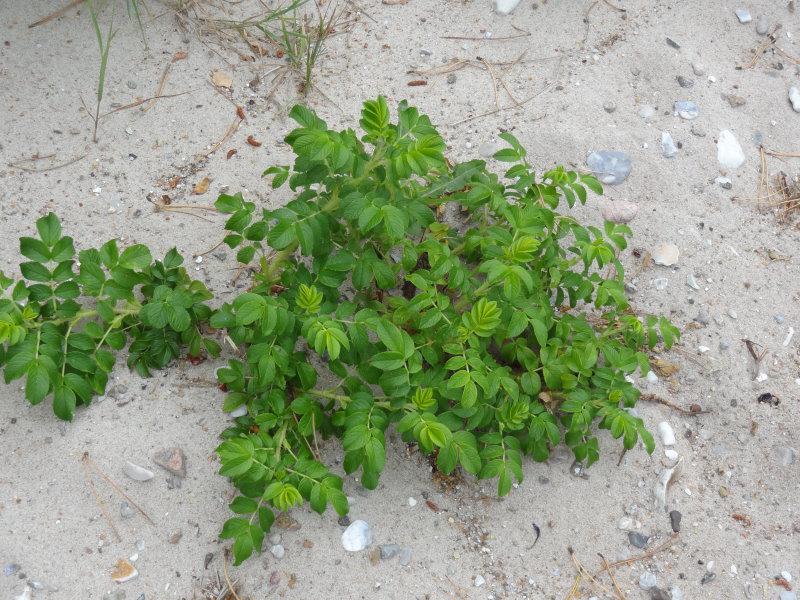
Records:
x=10, y=569
x=136, y=472
x=786, y=456
x=637, y=539
x=743, y=15
x=451, y=78
x=672, y=43
x=619, y=211
x=724, y=182
x=686, y=109
x=175, y=536
x=692, y=282
x=504, y=7
x=702, y=318
x=479, y=580
x=278, y=551
x=734, y=100
x=685, y=82
x=668, y=148
x=125, y=510
x=357, y=536
x=707, y=578
x=779, y=319
x=657, y=593
x=723, y=345
x=389, y=551
x=698, y=69
x=698, y=130
x=404, y=558
x=787, y=595
x=647, y=112
x=609, y=107
x=675, y=520
x=171, y=459
x=609, y=166
x=794, y=98
x=729, y=153
x=647, y=580
x=762, y=25
x=344, y=521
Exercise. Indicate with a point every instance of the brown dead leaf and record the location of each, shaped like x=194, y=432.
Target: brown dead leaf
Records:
x=123, y=571
x=308, y=544
x=664, y=368
x=230, y=153
x=292, y=581
x=743, y=519
x=417, y=82
x=240, y=112
x=201, y=187
x=179, y=56
x=221, y=79
x=253, y=141
x=374, y=556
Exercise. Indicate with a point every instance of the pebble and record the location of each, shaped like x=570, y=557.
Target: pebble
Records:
x=504, y=7
x=724, y=182
x=686, y=109
x=578, y=469
x=389, y=551
x=762, y=25
x=451, y=78
x=175, y=536
x=707, y=578
x=651, y=377
x=685, y=82
x=278, y=551
x=357, y=536
x=404, y=558
x=698, y=130
x=666, y=254
x=619, y=211
x=779, y=319
x=412, y=502
x=10, y=569
x=626, y=523
x=344, y=521
x=729, y=152
x=677, y=593
x=125, y=510
x=660, y=283
x=787, y=456
x=668, y=148
x=657, y=593
x=787, y=595
x=171, y=459
x=609, y=107
x=638, y=539
x=734, y=100
x=666, y=433
x=794, y=98
x=131, y=85
x=647, y=580
x=647, y=112
x=671, y=454
x=137, y=473
x=672, y=43
x=479, y=580
x=698, y=69
x=692, y=282
x=743, y=15
x=609, y=166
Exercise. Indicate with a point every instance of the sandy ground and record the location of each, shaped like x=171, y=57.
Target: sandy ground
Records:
x=738, y=459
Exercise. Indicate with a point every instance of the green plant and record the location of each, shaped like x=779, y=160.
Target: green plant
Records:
x=498, y=335
x=502, y=332
x=104, y=46
x=60, y=329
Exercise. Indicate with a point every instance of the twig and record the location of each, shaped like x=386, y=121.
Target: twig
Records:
x=53, y=168
x=628, y=561
x=762, y=48
x=97, y=469
x=210, y=250
x=163, y=81
x=140, y=102
x=581, y=569
x=228, y=579
x=620, y=595
x=522, y=33
x=228, y=133
x=660, y=400
x=101, y=504
x=55, y=14
x=494, y=83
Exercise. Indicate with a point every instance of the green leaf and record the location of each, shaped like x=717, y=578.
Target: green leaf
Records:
x=37, y=384
x=34, y=271
x=34, y=249
x=136, y=257
x=64, y=402
x=49, y=229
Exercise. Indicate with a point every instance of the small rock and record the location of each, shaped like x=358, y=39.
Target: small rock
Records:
x=707, y=578
x=660, y=283
x=637, y=539
x=673, y=44
x=743, y=15
x=668, y=148
x=666, y=433
x=677, y=593
x=479, y=580
x=794, y=98
x=125, y=510
x=692, y=282
x=124, y=571
x=344, y=521
x=734, y=100
x=609, y=107
x=671, y=454
x=698, y=69
x=787, y=595
x=647, y=112
x=779, y=319
x=651, y=377
x=609, y=166
x=278, y=551
x=504, y=7
x=10, y=569
x=404, y=558
x=647, y=580
x=175, y=536
x=171, y=459
x=657, y=593
x=702, y=318
x=686, y=109
x=762, y=25
x=357, y=536
x=729, y=152
x=451, y=78
x=389, y=551
x=619, y=211
x=698, y=130
x=137, y=473
x=724, y=182
x=666, y=254
x=578, y=469
x=723, y=492
x=626, y=523
x=274, y=538
x=786, y=456
x=412, y=502
x=685, y=82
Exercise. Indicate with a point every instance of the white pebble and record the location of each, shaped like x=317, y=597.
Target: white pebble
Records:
x=666, y=433
x=412, y=502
